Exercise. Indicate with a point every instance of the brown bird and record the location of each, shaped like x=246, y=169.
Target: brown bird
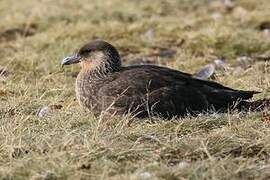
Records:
x=103, y=84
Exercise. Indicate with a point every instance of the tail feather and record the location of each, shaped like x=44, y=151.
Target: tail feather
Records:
x=246, y=94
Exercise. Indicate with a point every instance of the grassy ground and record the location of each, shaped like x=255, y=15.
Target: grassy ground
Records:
x=71, y=144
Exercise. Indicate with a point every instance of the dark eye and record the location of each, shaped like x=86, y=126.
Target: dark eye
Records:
x=85, y=52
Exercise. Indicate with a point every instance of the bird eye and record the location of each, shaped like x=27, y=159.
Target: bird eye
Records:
x=85, y=52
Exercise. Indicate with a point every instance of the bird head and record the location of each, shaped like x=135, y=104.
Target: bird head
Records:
x=96, y=55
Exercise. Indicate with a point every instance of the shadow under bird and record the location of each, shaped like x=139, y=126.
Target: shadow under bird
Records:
x=103, y=84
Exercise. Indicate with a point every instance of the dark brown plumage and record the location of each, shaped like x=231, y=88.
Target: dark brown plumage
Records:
x=145, y=90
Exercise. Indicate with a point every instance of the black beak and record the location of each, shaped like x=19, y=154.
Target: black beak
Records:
x=71, y=60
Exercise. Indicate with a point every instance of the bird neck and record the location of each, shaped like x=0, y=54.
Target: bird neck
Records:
x=97, y=72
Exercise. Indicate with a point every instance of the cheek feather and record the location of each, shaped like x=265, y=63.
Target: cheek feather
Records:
x=86, y=65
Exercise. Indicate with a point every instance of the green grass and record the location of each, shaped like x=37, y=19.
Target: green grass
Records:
x=73, y=144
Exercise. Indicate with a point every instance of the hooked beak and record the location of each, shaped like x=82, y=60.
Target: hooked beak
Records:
x=71, y=60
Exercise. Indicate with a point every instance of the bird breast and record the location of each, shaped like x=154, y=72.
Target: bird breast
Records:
x=85, y=90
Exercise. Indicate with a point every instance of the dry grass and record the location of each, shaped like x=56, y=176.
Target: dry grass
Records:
x=71, y=144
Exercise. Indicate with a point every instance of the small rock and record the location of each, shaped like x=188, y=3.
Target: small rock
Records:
x=266, y=32
x=183, y=164
x=44, y=111
x=149, y=35
x=221, y=64
x=245, y=62
x=217, y=16
x=48, y=110
x=145, y=175
x=206, y=73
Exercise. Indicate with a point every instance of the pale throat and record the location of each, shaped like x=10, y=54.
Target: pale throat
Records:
x=88, y=65
x=98, y=63
x=94, y=62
